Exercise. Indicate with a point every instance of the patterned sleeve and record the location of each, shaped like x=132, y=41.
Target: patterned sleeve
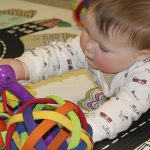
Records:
x=130, y=102
x=54, y=59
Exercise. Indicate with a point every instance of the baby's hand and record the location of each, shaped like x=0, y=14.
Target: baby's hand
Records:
x=4, y=61
x=18, y=66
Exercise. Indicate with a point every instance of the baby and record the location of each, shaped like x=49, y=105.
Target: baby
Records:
x=115, y=48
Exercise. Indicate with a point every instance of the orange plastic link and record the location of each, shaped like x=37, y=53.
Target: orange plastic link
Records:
x=58, y=140
x=46, y=125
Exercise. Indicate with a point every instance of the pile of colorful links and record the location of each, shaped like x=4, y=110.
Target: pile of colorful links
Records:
x=46, y=123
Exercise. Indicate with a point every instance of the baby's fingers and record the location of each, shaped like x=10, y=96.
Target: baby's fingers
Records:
x=4, y=61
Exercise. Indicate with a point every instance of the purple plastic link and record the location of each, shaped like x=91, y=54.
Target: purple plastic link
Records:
x=20, y=92
x=7, y=76
x=8, y=81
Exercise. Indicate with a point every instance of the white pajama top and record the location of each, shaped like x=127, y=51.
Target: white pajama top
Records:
x=129, y=90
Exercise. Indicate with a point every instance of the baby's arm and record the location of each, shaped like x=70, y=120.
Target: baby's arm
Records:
x=42, y=62
x=19, y=67
x=54, y=59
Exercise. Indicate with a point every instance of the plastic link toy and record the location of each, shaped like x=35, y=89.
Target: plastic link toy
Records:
x=79, y=10
x=40, y=123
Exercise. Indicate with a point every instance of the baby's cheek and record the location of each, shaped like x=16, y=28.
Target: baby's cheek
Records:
x=102, y=62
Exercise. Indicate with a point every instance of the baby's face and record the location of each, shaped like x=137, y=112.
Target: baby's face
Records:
x=110, y=55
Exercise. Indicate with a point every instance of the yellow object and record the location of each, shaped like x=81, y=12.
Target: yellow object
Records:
x=12, y=100
x=1, y=107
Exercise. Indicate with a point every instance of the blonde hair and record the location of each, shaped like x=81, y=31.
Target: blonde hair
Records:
x=124, y=16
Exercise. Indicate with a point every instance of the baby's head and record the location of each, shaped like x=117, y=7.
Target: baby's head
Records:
x=131, y=17
x=117, y=34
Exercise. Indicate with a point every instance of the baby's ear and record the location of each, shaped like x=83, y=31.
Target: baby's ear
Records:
x=143, y=54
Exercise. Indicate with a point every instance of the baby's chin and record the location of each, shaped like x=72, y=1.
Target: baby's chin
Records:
x=107, y=71
x=112, y=72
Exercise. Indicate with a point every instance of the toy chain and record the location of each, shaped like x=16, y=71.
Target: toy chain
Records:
x=42, y=128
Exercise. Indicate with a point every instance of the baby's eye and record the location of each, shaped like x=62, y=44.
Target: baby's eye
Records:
x=103, y=49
